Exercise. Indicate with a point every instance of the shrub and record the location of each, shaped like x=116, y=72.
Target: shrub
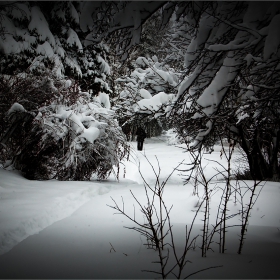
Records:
x=66, y=135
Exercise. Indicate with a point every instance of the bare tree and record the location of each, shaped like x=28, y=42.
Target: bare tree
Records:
x=157, y=227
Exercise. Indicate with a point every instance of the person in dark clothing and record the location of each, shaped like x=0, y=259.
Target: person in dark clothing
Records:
x=141, y=135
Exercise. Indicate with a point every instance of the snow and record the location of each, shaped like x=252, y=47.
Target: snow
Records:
x=45, y=50
x=59, y=69
x=8, y=44
x=142, y=61
x=39, y=24
x=54, y=229
x=23, y=33
x=27, y=207
x=206, y=25
x=104, y=67
x=16, y=107
x=214, y=93
x=139, y=73
x=8, y=26
x=79, y=123
x=72, y=63
x=272, y=40
x=155, y=102
x=58, y=47
x=20, y=12
x=249, y=59
x=103, y=99
x=167, y=77
x=74, y=14
x=234, y=45
x=203, y=132
x=173, y=138
x=90, y=134
x=157, y=77
x=73, y=39
x=249, y=94
x=187, y=82
x=145, y=94
x=68, y=83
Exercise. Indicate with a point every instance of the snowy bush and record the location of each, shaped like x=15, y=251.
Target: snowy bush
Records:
x=173, y=138
x=28, y=90
x=71, y=137
x=146, y=92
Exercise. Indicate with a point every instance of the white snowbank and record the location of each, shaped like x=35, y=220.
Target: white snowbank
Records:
x=27, y=207
x=80, y=243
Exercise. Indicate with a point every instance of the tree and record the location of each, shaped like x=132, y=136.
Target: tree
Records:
x=144, y=94
x=231, y=81
x=106, y=20
x=55, y=115
x=229, y=66
x=231, y=58
x=46, y=35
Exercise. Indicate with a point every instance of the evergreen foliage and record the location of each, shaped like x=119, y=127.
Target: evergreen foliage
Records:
x=39, y=35
x=144, y=95
x=230, y=73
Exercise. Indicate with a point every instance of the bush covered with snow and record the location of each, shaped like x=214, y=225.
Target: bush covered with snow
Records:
x=70, y=136
x=145, y=93
x=52, y=126
x=28, y=93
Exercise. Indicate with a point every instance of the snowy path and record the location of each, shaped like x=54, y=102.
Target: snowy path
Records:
x=75, y=227
x=78, y=247
x=30, y=206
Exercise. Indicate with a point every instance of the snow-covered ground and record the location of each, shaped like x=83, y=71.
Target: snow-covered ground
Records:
x=52, y=229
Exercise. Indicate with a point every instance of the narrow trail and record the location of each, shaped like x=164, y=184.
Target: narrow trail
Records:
x=81, y=240
x=89, y=241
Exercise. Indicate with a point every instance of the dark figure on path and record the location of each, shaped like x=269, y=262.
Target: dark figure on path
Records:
x=127, y=131
x=141, y=135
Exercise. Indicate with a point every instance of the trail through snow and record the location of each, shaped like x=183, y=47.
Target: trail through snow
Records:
x=52, y=229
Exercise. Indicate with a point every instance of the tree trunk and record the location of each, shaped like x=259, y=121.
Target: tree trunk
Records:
x=275, y=166
x=260, y=168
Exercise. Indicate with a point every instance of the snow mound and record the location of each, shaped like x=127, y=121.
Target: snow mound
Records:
x=56, y=202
